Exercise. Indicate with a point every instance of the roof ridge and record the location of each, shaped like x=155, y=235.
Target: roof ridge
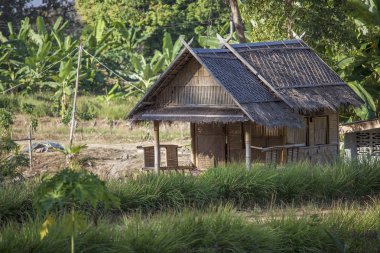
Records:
x=254, y=71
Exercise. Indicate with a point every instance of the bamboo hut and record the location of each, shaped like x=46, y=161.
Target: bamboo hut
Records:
x=269, y=101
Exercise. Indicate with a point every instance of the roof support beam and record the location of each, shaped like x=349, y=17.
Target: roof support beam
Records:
x=253, y=70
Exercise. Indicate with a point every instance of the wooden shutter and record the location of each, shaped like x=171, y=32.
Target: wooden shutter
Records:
x=320, y=130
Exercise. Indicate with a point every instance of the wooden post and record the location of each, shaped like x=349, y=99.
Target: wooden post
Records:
x=247, y=139
x=30, y=146
x=72, y=129
x=156, y=136
x=192, y=135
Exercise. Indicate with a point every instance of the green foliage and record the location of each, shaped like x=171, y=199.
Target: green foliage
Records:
x=217, y=229
x=360, y=66
x=10, y=160
x=67, y=190
x=265, y=185
x=157, y=17
x=327, y=27
x=70, y=188
x=16, y=201
x=6, y=122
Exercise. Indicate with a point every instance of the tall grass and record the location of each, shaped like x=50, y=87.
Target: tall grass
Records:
x=219, y=229
x=16, y=200
x=263, y=186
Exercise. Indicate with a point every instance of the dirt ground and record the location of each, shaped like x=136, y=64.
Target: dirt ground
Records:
x=111, y=150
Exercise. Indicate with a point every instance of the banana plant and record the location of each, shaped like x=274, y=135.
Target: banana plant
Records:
x=144, y=72
x=169, y=49
x=361, y=66
x=62, y=84
x=28, y=53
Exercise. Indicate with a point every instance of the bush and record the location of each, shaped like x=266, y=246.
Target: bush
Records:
x=10, y=103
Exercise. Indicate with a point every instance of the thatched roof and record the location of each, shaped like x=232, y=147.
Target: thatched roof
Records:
x=301, y=80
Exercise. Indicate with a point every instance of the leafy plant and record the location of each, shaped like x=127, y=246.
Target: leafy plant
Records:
x=361, y=65
x=71, y=154
x=6, y=122
x=11, y=159
x=65, y=192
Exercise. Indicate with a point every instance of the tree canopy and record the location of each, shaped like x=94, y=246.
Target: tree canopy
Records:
x=137, y=40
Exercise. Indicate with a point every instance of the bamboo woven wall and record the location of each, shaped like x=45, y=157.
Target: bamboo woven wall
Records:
x=194, y=86
x=210, y=144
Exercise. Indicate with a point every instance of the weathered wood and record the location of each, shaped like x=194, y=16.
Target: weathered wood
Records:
x=30, y=147
x=210, y=145
x=72, y=129
x=193, y=141
x=263, y=149
x=247, y=140
x=321, y=130
x=235, y=142
x=197, y=115
x=156, y=137
x=254, y=71
x=312, y=86
x=187, y=46
x=194, y=86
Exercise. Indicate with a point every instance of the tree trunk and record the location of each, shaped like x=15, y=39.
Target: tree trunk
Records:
x=289, y=21
x=237, y=21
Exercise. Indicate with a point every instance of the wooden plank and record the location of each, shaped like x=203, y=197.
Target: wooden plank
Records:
x=263, y=149
x=312, y=85
x=193, y=141
x=247, y=140
x=172, y=156
x=156, y=137
x=253, y=70
x=320, y=131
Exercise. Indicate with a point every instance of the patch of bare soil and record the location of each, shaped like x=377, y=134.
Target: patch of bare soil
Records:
x=112, y=154
x=109, y=161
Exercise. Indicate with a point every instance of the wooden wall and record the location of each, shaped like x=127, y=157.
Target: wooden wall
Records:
x=194, y=86
x=215, y=144
x=210, y=145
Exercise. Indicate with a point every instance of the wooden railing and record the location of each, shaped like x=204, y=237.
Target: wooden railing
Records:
x=298, y=152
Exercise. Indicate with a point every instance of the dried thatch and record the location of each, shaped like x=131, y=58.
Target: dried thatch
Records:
x=305, y=83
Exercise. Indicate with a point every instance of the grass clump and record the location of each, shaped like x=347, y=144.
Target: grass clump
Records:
x=262, y=186
x=216, y=229
x=16, y=200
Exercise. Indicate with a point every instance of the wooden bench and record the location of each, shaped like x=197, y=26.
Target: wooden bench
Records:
x=171, y=159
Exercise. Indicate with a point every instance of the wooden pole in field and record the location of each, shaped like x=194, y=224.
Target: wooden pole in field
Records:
x=30, y=146
x=72, y=129
x=156, y=136
x=247, y=140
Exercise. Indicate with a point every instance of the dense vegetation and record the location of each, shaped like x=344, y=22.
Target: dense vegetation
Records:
x=132, y=49
x=199, y=212
x=216, y=230
x=263, y=186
